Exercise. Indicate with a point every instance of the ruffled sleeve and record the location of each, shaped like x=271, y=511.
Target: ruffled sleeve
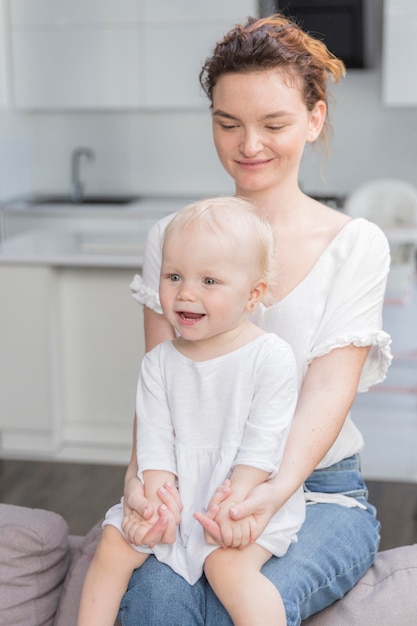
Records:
x=353, y=313
x=145, y=288
x=145, y=295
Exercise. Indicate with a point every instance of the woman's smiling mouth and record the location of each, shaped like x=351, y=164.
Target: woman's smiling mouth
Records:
x=253, y=164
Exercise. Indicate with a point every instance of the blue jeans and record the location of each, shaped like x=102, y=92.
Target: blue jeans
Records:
x=336, y=546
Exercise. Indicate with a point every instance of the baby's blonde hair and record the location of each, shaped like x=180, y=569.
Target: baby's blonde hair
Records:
x=235, y=221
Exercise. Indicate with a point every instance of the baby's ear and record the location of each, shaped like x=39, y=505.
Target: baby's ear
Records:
x=257, y=294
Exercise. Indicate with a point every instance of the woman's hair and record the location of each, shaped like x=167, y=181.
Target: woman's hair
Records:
x=274, y=42
x=236, y=223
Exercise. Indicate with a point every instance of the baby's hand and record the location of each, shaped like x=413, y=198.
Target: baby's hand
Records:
x=136, y=528
x=153, y=522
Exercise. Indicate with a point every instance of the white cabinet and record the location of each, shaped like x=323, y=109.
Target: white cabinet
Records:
x=130, y=54
x=82, y=12
x=179, y=36
x=27, y=358
x=172, y=68
x=4, y=57
x=71, y=343
x=77, y=69
x=101, y=347
x=400, y=53
x=77, y=55
x=193, y=11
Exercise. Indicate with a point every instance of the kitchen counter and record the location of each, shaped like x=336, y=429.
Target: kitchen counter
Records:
x=70, y=332
x=80, y=235
x=74, y=248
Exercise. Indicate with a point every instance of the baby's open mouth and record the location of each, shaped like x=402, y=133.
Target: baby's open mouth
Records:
x=187, y=315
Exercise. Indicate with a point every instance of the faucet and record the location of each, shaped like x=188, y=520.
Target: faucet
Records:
x=77, y=187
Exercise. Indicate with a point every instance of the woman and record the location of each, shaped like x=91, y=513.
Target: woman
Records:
x=267, y=85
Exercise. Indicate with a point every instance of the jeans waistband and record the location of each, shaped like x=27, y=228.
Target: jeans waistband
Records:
x=343, y=477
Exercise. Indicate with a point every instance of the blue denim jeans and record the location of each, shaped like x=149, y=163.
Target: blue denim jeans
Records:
x=336, y=546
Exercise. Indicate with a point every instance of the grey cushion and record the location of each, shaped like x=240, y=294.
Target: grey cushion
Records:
x=385, y=596
x=70, y=599
x=33, y=563
x=34, y=556
x=71, y=594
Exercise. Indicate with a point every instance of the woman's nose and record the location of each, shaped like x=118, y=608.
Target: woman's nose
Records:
x=251, y=143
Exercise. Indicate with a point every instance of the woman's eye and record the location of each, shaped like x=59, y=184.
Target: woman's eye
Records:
x=228, y=126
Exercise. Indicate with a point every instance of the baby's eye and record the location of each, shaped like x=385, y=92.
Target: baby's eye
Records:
x=174, y=278
x=209, y=281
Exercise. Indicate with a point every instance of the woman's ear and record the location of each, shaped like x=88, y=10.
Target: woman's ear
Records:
x=257, y=294
x=317, y=118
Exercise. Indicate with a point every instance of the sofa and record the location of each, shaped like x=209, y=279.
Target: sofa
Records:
x=42, y=569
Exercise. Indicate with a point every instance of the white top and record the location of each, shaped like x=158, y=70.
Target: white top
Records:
x=200, y=419
x=338, y=303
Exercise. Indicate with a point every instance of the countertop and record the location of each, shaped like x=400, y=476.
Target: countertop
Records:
x=81, y=236
x=72, y=248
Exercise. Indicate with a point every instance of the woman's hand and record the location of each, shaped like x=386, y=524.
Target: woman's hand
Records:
x=235, y=533
x=138, y=510
x=260, y=505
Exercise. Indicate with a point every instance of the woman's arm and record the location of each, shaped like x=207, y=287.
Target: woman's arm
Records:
x=327, y=394
x=326, y=397
x=157, y=329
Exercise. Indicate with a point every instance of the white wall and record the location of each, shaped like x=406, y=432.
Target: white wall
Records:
x=17, y=155
x=172, y=152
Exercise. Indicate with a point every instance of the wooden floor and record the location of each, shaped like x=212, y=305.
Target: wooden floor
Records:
x=82, y=493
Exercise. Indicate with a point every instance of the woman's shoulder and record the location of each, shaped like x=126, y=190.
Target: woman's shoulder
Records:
x=360, y=245
x=157, y=230
x=338, y=222
x=361, y=224
x=365, y=234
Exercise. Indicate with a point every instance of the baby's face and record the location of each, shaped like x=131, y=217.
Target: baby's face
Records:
x=205, y=283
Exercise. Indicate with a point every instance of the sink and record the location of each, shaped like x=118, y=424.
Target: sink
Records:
x=108, y=199
x=87, y=201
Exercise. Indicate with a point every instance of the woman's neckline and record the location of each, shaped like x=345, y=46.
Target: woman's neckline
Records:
x=324, y=253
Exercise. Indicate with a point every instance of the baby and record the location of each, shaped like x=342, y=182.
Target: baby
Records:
x=214, y=403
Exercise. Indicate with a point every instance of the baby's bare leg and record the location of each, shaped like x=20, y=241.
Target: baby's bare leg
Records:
x=247, y=595
x=107, y=579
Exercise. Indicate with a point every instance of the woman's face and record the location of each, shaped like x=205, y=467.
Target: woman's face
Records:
x=260, y=128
